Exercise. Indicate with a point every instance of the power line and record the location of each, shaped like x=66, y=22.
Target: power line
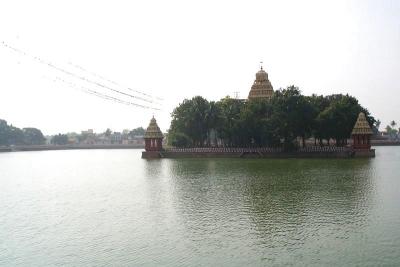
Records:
x=101, y=95
x=83, y=78
x=113, y=82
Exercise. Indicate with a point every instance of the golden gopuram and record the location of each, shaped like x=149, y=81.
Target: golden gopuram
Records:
x=262, y=87
x=361, y=136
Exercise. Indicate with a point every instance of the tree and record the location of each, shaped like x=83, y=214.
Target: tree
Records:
x=287, y=116
x=16, y=136
x=319, y=104
x=293, y=115
x=337, y=120
x=108, y=132
x=375, y=127
x=59, y=139
x=190, y=118
x=4, y=133
x=10, y=135
x=33, y=136
x=178, y=139
x=137, y=132
x=229, y=128
x=256, y=127
x=392, y=132
x=212, y=120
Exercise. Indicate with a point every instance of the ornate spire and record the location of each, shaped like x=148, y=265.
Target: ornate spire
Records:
x=262, y=87
x=153, y=131
x=362, y=125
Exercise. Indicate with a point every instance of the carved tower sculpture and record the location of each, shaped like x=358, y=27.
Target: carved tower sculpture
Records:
x=361, y=133
x=153, y=137
x=262, y=87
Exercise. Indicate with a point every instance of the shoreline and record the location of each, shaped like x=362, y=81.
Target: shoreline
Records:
x=67, y=147
x=385, y=143
x=309, y=152
x=186, y=153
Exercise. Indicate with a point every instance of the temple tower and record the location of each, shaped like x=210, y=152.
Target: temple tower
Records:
x=153, y=137
x=262, y=87
x=361, y=133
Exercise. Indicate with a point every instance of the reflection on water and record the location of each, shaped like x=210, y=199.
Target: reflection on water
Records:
x=112, y=208
x=271, y=204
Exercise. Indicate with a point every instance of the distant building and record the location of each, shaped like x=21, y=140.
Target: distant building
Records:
x=137, y=140
x=48, y=139
x=116, y=138
x=89, y=140
x=126, y=131
x=102, y=139
x=262, y=87
x=88, y=137
x=88, y=132
x=73, y=138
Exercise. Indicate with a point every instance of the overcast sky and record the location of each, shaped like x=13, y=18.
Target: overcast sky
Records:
x=178, y=49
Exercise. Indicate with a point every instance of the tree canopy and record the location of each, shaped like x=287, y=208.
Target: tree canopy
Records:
x=137, y=132
x=280, y=121
x=10, y=135
x=59, y=139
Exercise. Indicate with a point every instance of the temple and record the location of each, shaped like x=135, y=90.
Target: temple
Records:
x=153, y=140
x=262, y=87
x=361, y=147
x=361, y=136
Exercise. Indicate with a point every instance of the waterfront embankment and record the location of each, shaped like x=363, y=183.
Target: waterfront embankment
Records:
x=385, y=142
x=215, y=152
x=309, y=152
x=68, y=147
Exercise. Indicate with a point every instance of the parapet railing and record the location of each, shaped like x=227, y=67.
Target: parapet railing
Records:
x=310, y=149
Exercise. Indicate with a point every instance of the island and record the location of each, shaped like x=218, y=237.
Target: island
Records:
x=268, y=124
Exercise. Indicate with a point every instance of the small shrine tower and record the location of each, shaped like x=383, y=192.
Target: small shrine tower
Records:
x=361, y=133
x=153, y=137
x=262, y=87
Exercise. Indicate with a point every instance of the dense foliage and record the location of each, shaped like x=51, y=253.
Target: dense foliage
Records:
x=391, y=130
x=10, y=135
x=289, y=115
x=137, y=132
x=59, y=139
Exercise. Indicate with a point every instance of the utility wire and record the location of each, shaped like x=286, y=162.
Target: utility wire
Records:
x=101, y=95
x=49, y=64
x=115, y=83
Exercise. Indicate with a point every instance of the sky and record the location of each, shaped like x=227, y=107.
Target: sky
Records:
x=54, y=55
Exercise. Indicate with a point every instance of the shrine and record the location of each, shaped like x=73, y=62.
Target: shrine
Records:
x=361, y=133
x=153, y=137
x=361, y=136
x=262, y=87
x=260, y=90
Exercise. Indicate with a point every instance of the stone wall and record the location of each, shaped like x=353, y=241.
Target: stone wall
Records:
x=320, y=154
x=151, y=155
x=362, y=153
x=69, y=147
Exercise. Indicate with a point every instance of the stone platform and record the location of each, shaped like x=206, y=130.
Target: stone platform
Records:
x=152, y=154
x=308, y=152
x=364, y=153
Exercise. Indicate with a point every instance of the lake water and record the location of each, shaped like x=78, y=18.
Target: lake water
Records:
x=111, y=208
